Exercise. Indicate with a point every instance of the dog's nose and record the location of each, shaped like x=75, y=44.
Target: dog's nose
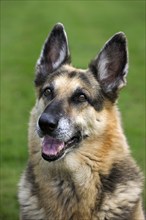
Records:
x=48, y=123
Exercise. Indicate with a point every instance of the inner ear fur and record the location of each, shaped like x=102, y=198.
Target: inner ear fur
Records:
x=110, y=67
x=55, y=53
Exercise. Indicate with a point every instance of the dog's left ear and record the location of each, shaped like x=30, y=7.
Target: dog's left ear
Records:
x=111, y=65
x=55, y=53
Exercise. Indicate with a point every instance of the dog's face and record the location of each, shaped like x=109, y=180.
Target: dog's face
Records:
x=71, y=101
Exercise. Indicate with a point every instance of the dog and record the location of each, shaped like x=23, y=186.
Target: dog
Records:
x=79, y=166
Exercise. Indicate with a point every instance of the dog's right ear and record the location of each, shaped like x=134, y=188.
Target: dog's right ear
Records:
x=55, y=52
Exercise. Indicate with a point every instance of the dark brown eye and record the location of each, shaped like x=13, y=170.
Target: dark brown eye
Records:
x=82, y=98
x=47, y=92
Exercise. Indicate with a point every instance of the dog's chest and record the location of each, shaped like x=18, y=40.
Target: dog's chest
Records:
x=66, y=200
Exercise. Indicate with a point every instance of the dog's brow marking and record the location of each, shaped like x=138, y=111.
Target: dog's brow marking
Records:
x=61, y=58
x=72, y=74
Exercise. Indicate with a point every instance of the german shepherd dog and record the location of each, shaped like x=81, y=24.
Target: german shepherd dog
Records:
x=79, y=166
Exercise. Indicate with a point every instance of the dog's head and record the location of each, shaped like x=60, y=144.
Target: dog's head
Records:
x=71, y=101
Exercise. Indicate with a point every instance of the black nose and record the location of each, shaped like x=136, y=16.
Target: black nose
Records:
x=48, y=123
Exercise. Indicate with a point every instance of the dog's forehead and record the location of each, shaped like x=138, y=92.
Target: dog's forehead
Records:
x=64, y=81
x=70, y=78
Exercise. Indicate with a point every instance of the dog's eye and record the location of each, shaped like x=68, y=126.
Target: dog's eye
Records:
x=81, y=98
x=47, y=92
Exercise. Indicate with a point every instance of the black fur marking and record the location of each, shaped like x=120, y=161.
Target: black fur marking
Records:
x=81, y=76
x=55, y=108
x=85, y=79
x=93, y=68
x=112, y=96
x=120, y=173
x=96, y=103
x=31, y=178
x=109, y=182
x=41, y=75
x=75, y=96
x=60, y=184
x=126, y=215
x=72, y=74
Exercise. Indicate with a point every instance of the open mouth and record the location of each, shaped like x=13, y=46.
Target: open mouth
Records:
x=53, y=149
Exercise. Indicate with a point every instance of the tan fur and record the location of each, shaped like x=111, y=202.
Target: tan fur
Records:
x=97, y=180
x=81, y=167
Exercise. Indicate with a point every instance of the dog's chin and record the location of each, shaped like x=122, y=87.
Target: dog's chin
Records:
x=54, y=149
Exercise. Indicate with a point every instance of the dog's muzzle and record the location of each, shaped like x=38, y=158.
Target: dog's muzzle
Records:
x=58, y=137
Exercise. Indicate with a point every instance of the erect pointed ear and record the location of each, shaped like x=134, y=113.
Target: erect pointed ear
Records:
x=55, y=52
x=111, y=65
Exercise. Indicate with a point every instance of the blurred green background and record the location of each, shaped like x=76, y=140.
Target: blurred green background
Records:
x=89, y=24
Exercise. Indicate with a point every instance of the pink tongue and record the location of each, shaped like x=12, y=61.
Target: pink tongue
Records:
x=51, y=146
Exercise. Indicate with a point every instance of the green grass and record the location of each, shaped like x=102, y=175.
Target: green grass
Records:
x=24, y=27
